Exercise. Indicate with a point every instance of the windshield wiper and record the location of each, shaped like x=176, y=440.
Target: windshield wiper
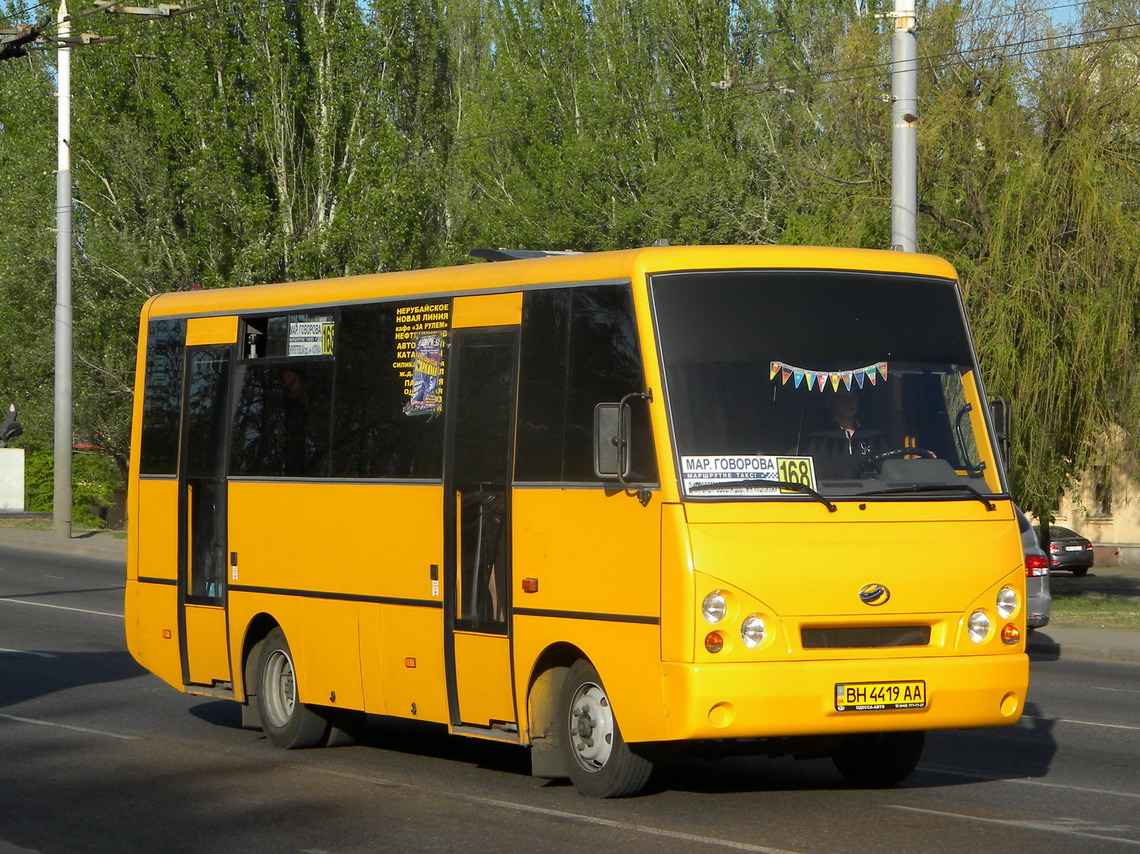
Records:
x=934, y=487
x=759, y=481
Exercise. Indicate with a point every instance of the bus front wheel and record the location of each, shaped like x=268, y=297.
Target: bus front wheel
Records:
x=599, y=762
x=879, y=758
x=285, y=720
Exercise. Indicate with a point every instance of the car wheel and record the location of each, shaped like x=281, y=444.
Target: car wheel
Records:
x=1079, y=571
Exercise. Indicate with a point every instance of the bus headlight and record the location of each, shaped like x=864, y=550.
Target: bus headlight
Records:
x=752, y=631
x=1006, y=602
x=715, y=606
x=978, y=626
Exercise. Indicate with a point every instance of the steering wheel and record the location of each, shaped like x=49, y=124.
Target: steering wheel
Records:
x=872, y=463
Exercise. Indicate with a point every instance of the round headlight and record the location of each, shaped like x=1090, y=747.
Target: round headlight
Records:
x=1006, y=602
x=752, y=631
x=978, y=626
x=715, y=606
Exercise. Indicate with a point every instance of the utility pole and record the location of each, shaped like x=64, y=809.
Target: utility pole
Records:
x=904, y=129
x=64, y=331
x=61, y=493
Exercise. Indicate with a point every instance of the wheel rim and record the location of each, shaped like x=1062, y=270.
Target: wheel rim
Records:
x=591, y=727
x=280, y=688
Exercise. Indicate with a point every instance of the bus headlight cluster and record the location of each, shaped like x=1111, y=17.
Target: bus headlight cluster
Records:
x=1006, y=602
x=978, y=626
x=752, y=631
x=715, y=606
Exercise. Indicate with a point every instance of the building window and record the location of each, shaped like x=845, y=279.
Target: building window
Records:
x=1102, y=491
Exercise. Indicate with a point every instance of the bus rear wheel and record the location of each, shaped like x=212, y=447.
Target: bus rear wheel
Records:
x=599, y=762
x=285, y=720
x=877, y=759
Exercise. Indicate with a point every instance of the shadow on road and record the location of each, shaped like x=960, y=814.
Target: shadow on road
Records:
x=36, y=673
x=951, y=758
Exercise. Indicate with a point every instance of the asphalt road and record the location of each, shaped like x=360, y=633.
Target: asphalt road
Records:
x=97, y=755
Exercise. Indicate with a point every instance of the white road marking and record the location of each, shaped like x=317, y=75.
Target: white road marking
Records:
x=60, y=607
x=37, y=722
x=1027, y=781
x=1081, y=723
x=567, y=816
x=29, y=652
x=1065, y=827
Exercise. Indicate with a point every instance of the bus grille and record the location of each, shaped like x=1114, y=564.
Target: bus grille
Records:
x=865, y=637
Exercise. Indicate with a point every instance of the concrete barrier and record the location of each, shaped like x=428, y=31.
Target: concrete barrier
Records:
x=12, y=479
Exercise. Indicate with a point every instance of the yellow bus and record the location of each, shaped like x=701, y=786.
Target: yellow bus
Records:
x=601, y=505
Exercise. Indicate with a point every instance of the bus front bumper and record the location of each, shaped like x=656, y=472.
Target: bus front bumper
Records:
x=777, y=699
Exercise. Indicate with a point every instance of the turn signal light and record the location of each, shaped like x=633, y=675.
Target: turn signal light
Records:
x=714, y=642
x=1010, y=634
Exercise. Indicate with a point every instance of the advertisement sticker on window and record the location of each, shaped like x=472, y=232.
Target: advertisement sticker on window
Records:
x=421, y=336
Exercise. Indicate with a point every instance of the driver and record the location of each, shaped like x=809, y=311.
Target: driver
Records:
x=843, y=449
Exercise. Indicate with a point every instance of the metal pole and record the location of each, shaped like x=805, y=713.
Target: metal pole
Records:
x=61, y=501
x=904, y=129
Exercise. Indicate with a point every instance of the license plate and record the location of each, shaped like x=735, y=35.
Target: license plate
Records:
x=879, y=696
x=1073, y=548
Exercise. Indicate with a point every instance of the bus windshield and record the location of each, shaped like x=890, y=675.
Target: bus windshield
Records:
x=849, y=383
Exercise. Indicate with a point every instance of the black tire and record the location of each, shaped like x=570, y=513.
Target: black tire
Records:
x=599, y=762
x=1079, y=571
x=285, y=720
x=346, y=727
x=879, y=758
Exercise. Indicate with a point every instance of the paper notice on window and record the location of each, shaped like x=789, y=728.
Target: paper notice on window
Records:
x=311, y=337
x=744, y=475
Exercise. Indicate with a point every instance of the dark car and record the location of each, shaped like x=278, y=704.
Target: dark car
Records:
x=1069, y=550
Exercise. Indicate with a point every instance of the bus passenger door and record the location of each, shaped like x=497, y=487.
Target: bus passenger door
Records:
x=480, y=402
x=202, y=555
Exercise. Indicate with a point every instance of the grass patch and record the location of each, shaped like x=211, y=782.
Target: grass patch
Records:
x=1096, y=610
x=45, y=523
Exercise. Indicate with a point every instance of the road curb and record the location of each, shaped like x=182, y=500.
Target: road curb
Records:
x=94, y=545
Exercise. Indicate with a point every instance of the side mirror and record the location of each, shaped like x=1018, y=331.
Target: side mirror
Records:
x=1000, y=417
x=611, y=441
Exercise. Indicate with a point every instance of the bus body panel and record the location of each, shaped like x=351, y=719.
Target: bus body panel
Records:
x=595, y=554
x=761, y=699
x=817, y=567
x=625, y=655
x=334, y=552
x=410, y=680
x=591, y=550
x=150, y=610
x=156, y=519
x=483, y=680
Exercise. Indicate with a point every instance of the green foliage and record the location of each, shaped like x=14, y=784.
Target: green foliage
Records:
x=266, y=141
x=95, y=479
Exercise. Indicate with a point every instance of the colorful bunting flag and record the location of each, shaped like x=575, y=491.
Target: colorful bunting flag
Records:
x=821, y=379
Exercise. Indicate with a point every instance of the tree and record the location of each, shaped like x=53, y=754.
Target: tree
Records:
x=1034, y=199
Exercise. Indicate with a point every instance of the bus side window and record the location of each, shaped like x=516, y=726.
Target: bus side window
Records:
x=162, y=396
x=373, y=435
x=281, y=420
x=579, y=348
